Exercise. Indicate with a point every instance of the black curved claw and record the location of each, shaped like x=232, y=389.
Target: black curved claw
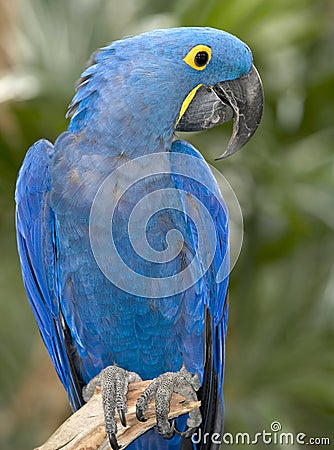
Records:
x=113, y=441
x=139, y=415
x=122, y=417
x=187, y=433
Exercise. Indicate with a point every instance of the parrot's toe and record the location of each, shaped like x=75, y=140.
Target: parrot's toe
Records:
x=114, y=382
x=162, y=388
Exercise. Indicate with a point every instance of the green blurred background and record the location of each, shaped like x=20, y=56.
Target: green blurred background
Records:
x=280, y=361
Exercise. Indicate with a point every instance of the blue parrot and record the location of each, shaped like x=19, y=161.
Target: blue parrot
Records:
x=120, y=296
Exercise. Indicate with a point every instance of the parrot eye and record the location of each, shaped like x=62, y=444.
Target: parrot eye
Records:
x=201, y=59
x=198, y=57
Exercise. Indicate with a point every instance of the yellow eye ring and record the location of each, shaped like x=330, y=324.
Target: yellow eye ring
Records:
x=198, y=57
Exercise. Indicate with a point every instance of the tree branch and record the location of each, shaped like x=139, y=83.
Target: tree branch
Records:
x=84, y=430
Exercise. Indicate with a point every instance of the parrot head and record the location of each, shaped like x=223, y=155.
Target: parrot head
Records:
x=181, y=79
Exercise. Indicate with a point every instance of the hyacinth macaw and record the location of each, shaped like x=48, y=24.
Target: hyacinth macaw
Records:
x=131, y=99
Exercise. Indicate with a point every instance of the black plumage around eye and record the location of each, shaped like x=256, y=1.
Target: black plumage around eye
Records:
x=201, y=59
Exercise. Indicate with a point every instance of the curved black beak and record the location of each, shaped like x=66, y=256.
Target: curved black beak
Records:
x=241, y=99
x=245, y=97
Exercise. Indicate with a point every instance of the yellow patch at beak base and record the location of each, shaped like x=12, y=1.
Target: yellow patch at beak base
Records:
x=187, y=101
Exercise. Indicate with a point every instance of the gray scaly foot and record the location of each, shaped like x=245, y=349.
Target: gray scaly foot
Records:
x=162, y=388
x=114, y=382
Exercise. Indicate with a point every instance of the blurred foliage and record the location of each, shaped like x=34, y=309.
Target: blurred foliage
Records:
x=280, y=357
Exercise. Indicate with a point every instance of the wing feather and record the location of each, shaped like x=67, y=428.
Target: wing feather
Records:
x=37, y=246
x=214, y=299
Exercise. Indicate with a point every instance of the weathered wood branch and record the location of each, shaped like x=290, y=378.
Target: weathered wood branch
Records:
x=84, y=430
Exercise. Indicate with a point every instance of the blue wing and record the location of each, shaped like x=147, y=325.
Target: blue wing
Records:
x=37, y=246
x=205, y=309
x=214, y=295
